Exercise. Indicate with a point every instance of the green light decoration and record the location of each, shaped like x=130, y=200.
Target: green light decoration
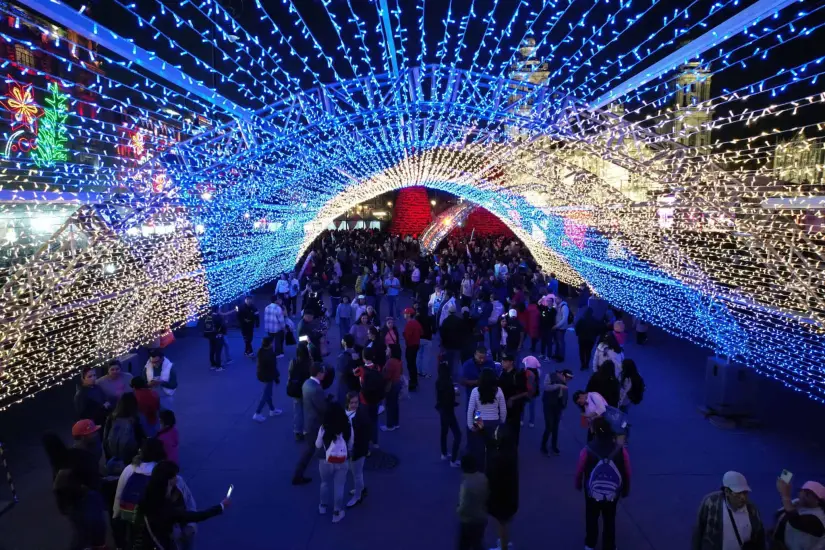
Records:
x=52, y=134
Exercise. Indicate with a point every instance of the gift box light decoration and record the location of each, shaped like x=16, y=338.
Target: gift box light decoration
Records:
x=671, y=156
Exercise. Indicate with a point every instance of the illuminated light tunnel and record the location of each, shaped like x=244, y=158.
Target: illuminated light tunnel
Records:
x=197, y=158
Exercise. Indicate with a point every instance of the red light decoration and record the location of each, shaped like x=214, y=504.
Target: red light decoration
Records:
x=485, y=224
x=24, y=109
x=412, y=212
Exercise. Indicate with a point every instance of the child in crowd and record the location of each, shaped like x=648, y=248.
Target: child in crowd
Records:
x=168, y=435
x=472, y=505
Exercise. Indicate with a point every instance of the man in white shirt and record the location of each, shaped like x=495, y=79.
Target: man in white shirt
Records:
x=275, y=322
x=592, y=403
x=727, y=520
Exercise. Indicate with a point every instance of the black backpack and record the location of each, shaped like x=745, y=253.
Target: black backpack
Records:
x=374, y=386
x=637, y=390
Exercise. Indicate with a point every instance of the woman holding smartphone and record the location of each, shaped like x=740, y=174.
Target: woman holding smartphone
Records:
x=486, y=410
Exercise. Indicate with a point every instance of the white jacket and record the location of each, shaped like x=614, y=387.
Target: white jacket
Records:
x=604, y=353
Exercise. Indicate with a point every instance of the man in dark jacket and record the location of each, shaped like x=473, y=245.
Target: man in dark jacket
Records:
x=214, y=330
x=587, y=331
x=362, y=428
x=513, y=384
x=249, y=320
x=347, y=361
x=554, y=399
x=89, y=400
x=452, y=338
x=315, y=405
x=268, y=374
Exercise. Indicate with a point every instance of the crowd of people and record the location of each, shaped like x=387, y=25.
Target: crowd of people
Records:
x=483, y=319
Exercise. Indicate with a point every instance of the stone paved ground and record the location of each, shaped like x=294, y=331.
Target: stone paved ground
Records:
x=677, y=457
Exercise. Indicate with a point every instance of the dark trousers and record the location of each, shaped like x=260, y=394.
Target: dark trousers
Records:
x=449, y=423
x=306, y=455
x=292, y=305
x=533, y=343
x=585, y=348
x=641, y=338
x=277, y=342
x=391, y=403
x=247, y=332
x=547, y=341
x=607, y=510
x=215, y=347
x=266, y=398
x=514, y=422
x=412, y=366
x=552, y=417
x=372, y=410
x=471, y=535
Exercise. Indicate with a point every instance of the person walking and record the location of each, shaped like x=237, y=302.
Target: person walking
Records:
x=343, y=315
x=214, y=330
x=554, y=401
x=334, y=289
x=412, y=338
x=347, y=361
x=728, y=519
x=267, y=372
x=513, y=384
x=503, y=479
x=560, y=327
x=422, y=358
x=360, y=331
x=393, y=288
x=486, y=410
x=472, y=505
x=359, y=418
x=392, y=374
x=532, y=373
x=276, y=323
x=603, y=473
x=298, y=373
x=249, y=320
x=335, y=438
x=547, y=319
x=161, y=377
x=315, y=406
x=452, y=337
x=282, y=288
x=446, y=400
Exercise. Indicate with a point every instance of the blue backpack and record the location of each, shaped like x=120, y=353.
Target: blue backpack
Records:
x=616, y=419
x=132, y=495
x=605, y=480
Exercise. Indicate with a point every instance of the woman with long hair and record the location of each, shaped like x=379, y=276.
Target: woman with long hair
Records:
x=85, y=509
x=605, y=383
x=335, y=438
x=446, y=400
x=486, y=409
x=123, y=433
x=630, y=383
x=158, y=512
x=377, y=346
x=502, y=477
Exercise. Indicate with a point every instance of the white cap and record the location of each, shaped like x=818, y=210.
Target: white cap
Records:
x=736, y=482
x=513, y=313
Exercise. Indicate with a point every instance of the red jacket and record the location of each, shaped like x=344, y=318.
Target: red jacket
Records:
x=532, y=317
x=413, y=332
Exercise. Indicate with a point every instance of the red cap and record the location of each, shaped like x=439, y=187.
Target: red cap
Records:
x=409, y=311
x=84, y=427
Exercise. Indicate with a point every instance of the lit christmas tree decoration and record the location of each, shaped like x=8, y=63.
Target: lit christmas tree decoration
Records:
x=670, y=156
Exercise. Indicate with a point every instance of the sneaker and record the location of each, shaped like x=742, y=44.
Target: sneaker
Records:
x=556, y=452
x=445, y=457
x=299, y=437
x=381, y=409
x=276, y=412
x=220, y=369
x=353, y=501
x=386, y=429
x=301, y=480
x=338, y=515
x=322, y=509
x=281, y=356
x=213, y=369
x=455, y=464
x=257, y=417
x=531, y=425
x=363, y=493
x=375, y=446
x=522, y=423
x=544, y=451
x=228, y=362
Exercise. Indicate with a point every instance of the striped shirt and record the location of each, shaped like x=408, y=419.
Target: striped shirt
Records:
x=497, y=410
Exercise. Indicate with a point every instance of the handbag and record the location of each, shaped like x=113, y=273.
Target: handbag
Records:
x=289, y=338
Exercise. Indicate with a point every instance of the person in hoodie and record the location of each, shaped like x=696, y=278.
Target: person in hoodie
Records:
x=267, y=374
x=89, y=400
x=168, y=435
x=472, y=505
x=161, y=377
x=587, y=331
x=249, y=320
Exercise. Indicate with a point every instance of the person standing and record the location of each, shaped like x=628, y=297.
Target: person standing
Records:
x=554, y=399
x=276, y=323
x=115, y=383
x=587, y=330
x=161, y=377
x=393, y=288
x=472, y=368
x=560, y=326
x=503, y=479
x=472, y=505
x=343, y=315
x=467, y=290
x=801, y=522
x=446, y=396
x=513, y=384
x=334, y=289
x=282, y=288
x=412, y=338
x=486, y=410
x=347, y=361
x=268, y=374
x=297, y=374
x=89, y=400
x=294, y=290
x=360, y=331
x=249, y=320
x=392, y=374
x=452, y=337
x=425, y=342
x=603, y=473
x=315, y=407
x=728, y=519
x=359, y=419
x=214, y=330
x=335, y=438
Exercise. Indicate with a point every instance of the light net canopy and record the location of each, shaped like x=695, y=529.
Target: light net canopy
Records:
x=164, y=156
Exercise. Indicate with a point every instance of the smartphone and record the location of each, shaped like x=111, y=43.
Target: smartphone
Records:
x=229, y=492
x=786, y=476
x=303, y=338
x=477, y=416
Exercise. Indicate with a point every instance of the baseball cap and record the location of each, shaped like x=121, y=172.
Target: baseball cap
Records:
x=507, y=357
x=361, y=297
x=409, y=311
x=816, y=488
x=531, y=362
x=84, y=427
x=512, y=313
x=736, y=482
